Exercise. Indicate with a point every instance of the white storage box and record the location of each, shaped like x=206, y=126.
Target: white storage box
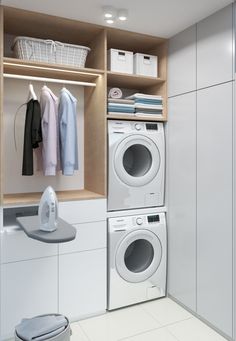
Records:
x=145, y=64
x=120, y=61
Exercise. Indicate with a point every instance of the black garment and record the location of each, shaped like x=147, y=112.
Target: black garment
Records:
x=32, y=135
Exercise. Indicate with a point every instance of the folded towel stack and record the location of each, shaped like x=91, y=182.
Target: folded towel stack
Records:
x=147, y=105
x=121, y=106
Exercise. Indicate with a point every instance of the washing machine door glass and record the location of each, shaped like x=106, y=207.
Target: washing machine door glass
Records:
x=137, y=160
x=138, y=256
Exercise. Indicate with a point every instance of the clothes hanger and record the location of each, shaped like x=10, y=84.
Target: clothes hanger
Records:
x=32, y=94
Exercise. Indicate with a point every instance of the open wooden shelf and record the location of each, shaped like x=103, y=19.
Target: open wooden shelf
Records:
x=125, y=80
x=136, y=118
x=34, y=198
x=29, y=68
x=18, y=22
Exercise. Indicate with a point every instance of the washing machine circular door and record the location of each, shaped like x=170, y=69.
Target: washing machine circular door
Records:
x=137, y=160
x=138, y=256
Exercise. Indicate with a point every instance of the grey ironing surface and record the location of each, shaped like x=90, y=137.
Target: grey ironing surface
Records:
x=64, y=232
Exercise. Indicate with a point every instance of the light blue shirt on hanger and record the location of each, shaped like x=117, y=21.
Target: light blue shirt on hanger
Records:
x=67, y=115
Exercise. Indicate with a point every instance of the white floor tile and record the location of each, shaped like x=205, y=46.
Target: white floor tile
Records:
x=77, y=333
x=166, y=311
x=194, y=330
x=161, y=334
x=118, y=324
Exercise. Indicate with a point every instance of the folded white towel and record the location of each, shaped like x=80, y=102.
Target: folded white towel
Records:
x=115, y=93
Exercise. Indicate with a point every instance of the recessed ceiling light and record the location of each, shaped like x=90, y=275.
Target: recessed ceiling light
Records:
x=122, y=14
x=110, y=21
x=109, y=12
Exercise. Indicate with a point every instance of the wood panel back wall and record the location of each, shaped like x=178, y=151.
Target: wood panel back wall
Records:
x=15, y=94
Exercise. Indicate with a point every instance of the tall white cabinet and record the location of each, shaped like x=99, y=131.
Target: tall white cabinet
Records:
x=215, y=48
x=200, y=173
x=214, y=206
x=182, y=199
x=182, y=76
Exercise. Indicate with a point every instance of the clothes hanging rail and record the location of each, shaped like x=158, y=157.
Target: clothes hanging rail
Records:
x=48, y=80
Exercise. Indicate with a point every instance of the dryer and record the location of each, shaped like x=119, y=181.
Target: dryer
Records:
x=136, y=174
x=136, y=259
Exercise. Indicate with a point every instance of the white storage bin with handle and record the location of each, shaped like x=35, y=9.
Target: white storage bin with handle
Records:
x=50, y=51
x=120, y=61
x=145, y=65
x=50, y=327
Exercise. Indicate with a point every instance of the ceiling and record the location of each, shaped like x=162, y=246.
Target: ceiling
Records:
x=163, y=18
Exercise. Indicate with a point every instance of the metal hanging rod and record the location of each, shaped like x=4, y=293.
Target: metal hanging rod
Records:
x=48, y=80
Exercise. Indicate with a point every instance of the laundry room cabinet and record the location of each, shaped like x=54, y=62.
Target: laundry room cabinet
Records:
x=214, y=206
x=39, y=278
x=215, y=48
x=82, y=268
x=28, y=288
x=182, y=62
x=181, y=215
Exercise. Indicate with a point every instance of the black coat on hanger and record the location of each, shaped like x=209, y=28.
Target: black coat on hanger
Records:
x=32, y=135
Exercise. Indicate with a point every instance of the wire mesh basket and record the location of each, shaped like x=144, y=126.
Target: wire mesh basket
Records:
x=50, y=51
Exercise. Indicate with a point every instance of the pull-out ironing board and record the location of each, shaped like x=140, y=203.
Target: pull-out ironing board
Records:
x=64, y=232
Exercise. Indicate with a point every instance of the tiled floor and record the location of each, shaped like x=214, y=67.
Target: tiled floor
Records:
x=160, y=320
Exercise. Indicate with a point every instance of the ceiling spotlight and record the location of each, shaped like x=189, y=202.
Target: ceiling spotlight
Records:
x=123, y=14
x=109, y=12
x=110, y=21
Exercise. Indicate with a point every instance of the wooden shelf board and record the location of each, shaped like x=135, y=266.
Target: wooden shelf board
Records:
x=29, y=68
x=136, y=118
x=34, y=198
x=131, y=41
x=21, y=22
x=125, y=80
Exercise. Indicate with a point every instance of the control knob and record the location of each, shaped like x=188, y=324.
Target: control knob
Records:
x=138, y=126
x=139, y=221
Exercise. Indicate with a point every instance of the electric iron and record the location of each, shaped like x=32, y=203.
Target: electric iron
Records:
x=48, y=210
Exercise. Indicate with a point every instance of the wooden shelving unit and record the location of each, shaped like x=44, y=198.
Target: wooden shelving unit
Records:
x=17, y=22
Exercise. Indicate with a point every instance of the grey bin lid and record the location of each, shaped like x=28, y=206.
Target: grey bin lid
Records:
x=43, y=327
x=64, y=233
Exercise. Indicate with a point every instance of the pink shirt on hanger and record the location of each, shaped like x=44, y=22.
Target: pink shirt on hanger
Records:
x=50, y=152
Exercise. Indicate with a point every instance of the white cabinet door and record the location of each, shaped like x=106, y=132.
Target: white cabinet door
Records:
x=83, y=211
x=82, y=283
x=182, y=199
x=16, y=246
x=215, y=48
x=214, y=206
x=182, y=62
x=89, y=236
x=28, y=288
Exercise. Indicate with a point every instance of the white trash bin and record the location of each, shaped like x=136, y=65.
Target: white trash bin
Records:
x=37, y=330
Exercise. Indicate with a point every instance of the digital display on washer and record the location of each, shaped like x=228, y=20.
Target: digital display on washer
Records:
x=151, y=126
x=153, y=218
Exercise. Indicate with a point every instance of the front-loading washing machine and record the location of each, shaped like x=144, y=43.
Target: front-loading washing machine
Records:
x=136, y=259
x=136, y=174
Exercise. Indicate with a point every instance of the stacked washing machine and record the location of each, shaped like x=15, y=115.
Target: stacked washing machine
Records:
x=137, y=242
